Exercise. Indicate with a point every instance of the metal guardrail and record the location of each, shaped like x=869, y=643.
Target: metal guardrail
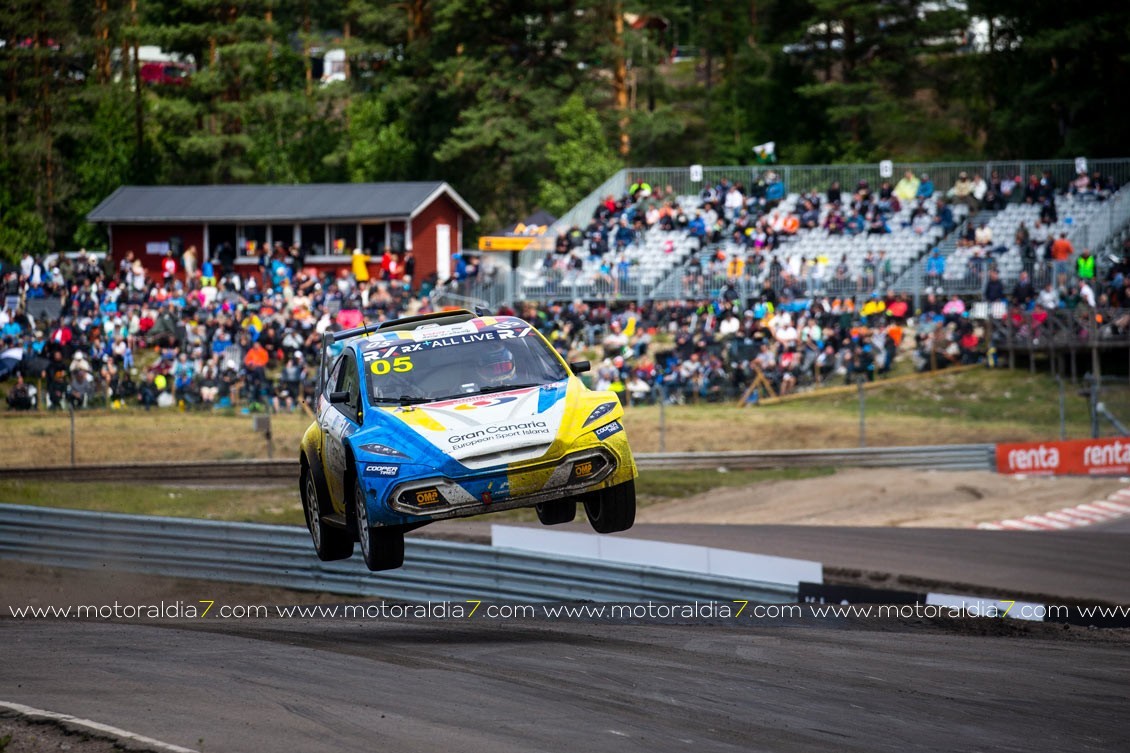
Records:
x=961, y=457
x=282, y=556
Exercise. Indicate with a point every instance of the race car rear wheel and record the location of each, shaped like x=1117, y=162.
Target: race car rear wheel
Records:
x=557, y=512
x=382, y=548
x=330, y=542
x=612, y=509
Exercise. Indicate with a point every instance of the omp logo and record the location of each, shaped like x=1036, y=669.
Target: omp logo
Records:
x=381, y=470
x=493, y=430
x=486, y=403
x=427, y=496
x=1036, y=459
x=1115, y=453
x=583, y=468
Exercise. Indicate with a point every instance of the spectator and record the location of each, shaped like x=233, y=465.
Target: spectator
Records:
x=1023, y=293
x=935, y=267
x=925, y=188
x=994, y=288
x=1048, y=298
x=907, y=188
x=21, y=396
x=1085, y=266
x=943, y=217
x=1061, y=251
x=168, y=268
x=962, y=192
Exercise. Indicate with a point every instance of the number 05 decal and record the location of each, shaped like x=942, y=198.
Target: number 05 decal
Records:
x=399, y=364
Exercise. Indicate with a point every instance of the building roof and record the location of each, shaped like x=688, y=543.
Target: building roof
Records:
x=270, y=203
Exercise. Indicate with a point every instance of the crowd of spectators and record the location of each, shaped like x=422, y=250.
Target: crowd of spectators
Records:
x=711, y=350
x=204, y=333
x=185, y=338
x=745, y=227
x=196, y=334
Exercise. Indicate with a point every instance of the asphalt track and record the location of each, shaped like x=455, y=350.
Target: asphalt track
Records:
x=600, y=684
x=1089, y=563
x=538, y=685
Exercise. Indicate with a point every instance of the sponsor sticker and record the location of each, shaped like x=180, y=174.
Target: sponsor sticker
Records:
x=503, y=431
x=606, y=431
x=427, y=496
x=386, y=471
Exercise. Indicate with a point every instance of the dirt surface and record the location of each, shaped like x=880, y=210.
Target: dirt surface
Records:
x=900, y=498
x=41, y=737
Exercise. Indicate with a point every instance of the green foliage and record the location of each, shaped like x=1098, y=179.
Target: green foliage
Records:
x=519, y=102
x=379, y=146
x=579, y=158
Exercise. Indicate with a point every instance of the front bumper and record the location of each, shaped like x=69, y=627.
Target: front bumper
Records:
x=439, y=497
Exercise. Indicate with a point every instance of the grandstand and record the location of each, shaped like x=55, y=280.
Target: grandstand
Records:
x=663, y=264
x=964, y=275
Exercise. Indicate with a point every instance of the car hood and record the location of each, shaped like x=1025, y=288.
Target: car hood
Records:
x=481, y=430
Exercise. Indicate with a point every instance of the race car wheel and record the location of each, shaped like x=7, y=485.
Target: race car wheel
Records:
x=612, y=509
x=557, y=512
x=382, y=548
x=330, y=542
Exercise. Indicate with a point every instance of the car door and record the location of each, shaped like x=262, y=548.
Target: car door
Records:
x=342, y=420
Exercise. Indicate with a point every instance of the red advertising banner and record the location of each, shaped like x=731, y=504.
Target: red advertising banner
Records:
x=1076, y=456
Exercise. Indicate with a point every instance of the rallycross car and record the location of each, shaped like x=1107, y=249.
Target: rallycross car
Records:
x=451, y=414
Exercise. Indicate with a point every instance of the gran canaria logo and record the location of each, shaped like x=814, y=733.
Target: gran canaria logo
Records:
x=490, y=431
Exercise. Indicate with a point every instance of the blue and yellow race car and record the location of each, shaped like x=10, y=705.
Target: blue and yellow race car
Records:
x=451, y=414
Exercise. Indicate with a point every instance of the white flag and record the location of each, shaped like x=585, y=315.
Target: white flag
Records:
x=766, y=152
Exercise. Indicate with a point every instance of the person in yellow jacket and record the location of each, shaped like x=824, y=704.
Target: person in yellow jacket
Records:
x=736, y=267
x=907, y=188
x=360, y=262
x=874, y=305
x=1085, y=265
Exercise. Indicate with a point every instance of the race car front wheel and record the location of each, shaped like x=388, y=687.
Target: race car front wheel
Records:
x=612, y=509
x=557, y=512
x=382, y=548
x=330, y=542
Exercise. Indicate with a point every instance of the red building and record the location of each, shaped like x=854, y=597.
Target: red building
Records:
x=327, y=221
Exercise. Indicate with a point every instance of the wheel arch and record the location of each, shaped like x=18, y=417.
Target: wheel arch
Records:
x=318, y=472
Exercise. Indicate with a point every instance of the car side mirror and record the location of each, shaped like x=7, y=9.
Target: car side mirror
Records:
x=338, y=398
x=580, y=367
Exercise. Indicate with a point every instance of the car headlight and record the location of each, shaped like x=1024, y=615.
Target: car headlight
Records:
x=374, y=448
x=599, y=411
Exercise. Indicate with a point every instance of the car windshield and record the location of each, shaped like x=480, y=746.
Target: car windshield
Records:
x=406, y=372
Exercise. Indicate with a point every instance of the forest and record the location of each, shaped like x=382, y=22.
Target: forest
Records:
x=524, y=104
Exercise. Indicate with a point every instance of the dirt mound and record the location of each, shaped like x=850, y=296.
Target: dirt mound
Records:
x=871, y=497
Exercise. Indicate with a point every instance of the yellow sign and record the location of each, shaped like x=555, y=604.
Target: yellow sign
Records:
x=504, y=243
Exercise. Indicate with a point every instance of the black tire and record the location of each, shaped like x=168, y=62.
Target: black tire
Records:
x=330, y=542
x=557, y=512
x=383, y=547
x=612, y=509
